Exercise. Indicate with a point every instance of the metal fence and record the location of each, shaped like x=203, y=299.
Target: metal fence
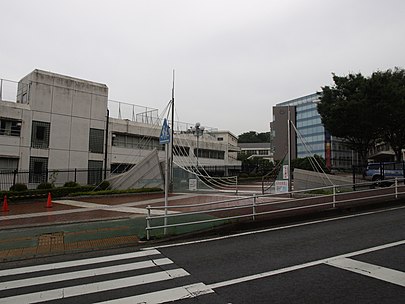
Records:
x=32, y=179
x=209, y=214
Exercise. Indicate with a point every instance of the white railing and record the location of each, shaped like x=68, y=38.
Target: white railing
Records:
x=295, y=202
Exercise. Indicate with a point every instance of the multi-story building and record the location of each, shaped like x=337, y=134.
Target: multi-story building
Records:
x=62, y=124
x=308, y=135
x=257, y=150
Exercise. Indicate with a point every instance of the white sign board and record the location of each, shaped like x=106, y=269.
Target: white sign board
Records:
x=285, y=172
x=192, y=184
x=281, y=186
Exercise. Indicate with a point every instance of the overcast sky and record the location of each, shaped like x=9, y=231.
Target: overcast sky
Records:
x=233, y=59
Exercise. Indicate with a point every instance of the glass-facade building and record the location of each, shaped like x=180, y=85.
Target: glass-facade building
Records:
x=311, y=136
x=311, y=133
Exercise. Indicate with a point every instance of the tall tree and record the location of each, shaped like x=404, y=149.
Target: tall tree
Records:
x=387, y=91
x=346, y=112
x=254, y=137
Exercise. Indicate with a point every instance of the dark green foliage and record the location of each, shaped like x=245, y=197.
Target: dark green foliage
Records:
x=71, y=184
x=305, y=163
x=364, y=110
x=254, y=137
x=109, y=192
x=18, y=187
x=346, y=112
x=104, y=185
x=44, y=186
x=69, y=191
x=387, y=91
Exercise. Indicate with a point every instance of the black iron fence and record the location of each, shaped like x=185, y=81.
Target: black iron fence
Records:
x=32, y=179
x=377, y=172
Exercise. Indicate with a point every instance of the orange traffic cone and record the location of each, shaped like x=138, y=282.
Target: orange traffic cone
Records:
x=5, y=204
x=49, y=202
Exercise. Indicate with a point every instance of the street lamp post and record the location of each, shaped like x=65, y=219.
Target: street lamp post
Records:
x=198, y=131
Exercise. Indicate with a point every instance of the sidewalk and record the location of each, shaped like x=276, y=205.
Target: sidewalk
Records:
x=30, y=229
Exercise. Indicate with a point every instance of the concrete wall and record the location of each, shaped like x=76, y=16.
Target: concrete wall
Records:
x=280, y=128
x=71, y=106
x=304, y=179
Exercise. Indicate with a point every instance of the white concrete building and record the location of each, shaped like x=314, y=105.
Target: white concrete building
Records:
x=59, y=124
x=257, y=150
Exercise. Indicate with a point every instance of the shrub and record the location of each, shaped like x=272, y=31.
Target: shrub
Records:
x=104, y=185
x=45, y=186
x=71, y=184
x=18, y=187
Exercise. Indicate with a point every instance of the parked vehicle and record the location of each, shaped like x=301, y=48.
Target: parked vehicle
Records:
x=385, y=170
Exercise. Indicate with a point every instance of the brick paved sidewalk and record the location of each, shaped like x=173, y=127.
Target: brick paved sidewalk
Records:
x=29, y=229
x=53, y=244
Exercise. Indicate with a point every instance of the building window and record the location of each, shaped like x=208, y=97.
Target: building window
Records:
x=207, y=153
x=120, y=168
x=132, y=141
x=96, y=140
x=38, y=170
x=8, y=163
x=10, y=127
x=95, y=172
x=220, y=139
x=181, y=151
x=40, y=134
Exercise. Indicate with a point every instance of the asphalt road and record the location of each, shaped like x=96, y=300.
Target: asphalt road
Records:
x=353, y=259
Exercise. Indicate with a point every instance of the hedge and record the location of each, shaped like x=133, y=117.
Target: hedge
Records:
x=69, y=191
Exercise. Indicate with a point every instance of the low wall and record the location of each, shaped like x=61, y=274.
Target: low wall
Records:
x=304, y=179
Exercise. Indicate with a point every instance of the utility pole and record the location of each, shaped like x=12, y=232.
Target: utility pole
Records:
x=289, y=148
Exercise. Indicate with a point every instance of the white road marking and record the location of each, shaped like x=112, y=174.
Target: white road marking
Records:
x=83, y=273
x=116, y=208
x=301, y=266
x=271, y=229
x=370, y=270
x=86, y=207
x=167, y=295
x=39, y=214
x=159, y=200
x=72, y=291
x=109, y=258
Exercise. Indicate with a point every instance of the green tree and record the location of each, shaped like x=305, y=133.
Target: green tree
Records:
x=254, y=137
x=364, y=110
x=347, y=112
x=387, y=90
x=308, y=163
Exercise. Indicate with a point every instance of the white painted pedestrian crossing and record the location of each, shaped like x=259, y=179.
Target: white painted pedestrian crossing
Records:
x=147, y=277
x=85, y=289
x=164, y=296
x=148, y=270
x=81, y=262
x=83, y=274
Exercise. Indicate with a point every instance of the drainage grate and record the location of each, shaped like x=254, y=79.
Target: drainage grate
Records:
x=48, y=239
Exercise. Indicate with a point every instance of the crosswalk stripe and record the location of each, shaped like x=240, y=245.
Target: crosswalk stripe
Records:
x=167, y=295
x=30, y=269
x=66, y=292
x=370, y=270
x=83, y=273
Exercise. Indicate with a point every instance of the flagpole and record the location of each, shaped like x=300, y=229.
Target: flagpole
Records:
x=166, y=187
x=172, y=140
